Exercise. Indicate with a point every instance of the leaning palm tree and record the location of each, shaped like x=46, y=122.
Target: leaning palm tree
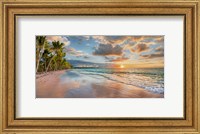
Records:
x=40, y=44
x=55, y=49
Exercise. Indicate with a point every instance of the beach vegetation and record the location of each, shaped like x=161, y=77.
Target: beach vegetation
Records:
x=50, y=56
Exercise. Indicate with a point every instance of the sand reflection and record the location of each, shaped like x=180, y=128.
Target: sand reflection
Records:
x=71, y=84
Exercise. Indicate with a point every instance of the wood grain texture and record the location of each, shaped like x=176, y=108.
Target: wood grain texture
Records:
x=1, y=67
x=12, y=8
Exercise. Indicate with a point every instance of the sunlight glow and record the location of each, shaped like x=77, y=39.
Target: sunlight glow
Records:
x=121, y=66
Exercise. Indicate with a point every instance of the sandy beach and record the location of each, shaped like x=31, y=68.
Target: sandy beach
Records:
x=69, y=84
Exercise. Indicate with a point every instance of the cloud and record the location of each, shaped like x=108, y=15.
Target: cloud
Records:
x=159, y=39
x=113, y=40
x=127, y=42
x=108, y=49
x=154, y=39
x=159, y=49
x=58, y=38
x=159, y=52
x=140, y=44
x=142, y=47
x=129, y=46
x=100, y=39
x=119, y=59
x=74, y=52
x=116, y=58
x=148, y=39
x=117, y=40
x=155, y=55
x=136, y=38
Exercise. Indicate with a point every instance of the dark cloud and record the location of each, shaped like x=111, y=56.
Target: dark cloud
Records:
x=108, y=49
x=140, y=48
x=156, y=55
x=159, y=52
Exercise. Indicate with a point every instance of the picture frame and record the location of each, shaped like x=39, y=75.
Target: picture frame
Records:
x=11, y=9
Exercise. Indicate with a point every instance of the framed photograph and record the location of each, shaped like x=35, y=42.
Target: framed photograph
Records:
x=97, y=67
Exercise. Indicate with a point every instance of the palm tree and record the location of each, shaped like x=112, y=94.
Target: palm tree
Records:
x=40, y=44
x=65, y=64
x=46, y=57
x=59, y=57
x=55, y=49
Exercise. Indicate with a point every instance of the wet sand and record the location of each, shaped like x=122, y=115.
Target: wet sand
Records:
x=67, y=84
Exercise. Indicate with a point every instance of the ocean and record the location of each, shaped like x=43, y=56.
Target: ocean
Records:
x=151, y=79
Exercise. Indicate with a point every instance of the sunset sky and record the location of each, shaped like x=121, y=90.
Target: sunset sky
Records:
x=125, y=51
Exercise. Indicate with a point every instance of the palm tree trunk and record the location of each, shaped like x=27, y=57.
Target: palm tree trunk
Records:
x=45, y=65
x=38, y=62
x=55, y=67
x=49, y=63
x=40, y=56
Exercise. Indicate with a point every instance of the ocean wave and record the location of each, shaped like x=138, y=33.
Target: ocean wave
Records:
x=153, y=83
x=137, y=71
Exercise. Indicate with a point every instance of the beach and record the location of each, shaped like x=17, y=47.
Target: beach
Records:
x=73, y=84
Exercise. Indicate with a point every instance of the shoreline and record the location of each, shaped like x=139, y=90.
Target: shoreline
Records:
x=39, y=75
x=52, y=85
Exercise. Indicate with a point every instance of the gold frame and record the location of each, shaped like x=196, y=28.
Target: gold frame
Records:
x=11, y=8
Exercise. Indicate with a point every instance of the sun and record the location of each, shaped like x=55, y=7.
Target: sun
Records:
x=121, y=66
